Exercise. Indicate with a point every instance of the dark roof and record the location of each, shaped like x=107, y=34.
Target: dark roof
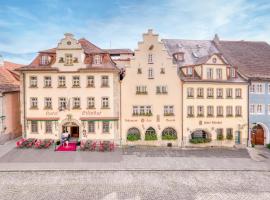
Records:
x=119, y=51
x=251, y=58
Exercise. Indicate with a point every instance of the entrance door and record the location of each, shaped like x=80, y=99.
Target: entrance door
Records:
x=74, y=131
x=259, y=135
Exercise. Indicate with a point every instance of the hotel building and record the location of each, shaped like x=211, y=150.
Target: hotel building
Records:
x=151, y=96
x=214, y=95
x=73, y=87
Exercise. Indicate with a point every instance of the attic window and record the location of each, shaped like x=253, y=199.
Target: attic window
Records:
x=189, y=71
x=233, y=74
x=45, y=59
x=150, y=58
x=179, y=56
x=97, y=60
x=214, y=60
x=69, y=60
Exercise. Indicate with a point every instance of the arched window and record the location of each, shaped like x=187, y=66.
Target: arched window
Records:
x=97, y=59
x=150, y=134
x=133, y=134
x=169, y=134
x=200, y=136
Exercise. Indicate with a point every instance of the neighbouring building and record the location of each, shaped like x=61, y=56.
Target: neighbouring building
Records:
x=73, y=87
x=10, y=126
x=121, y=56
x=214, y=95
x=253, y=60
x=151, y=96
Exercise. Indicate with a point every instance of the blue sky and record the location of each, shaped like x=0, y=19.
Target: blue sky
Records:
x=29, y=26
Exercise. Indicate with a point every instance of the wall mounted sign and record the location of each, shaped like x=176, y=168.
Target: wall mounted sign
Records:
x=51, y=113
x=91, y=113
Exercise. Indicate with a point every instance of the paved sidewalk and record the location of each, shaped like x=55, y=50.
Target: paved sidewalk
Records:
x=132, y=159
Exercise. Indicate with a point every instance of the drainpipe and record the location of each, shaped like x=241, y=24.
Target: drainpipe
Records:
x=182, y=120
x=249, y=131
x=24, y=105
x=120, y=110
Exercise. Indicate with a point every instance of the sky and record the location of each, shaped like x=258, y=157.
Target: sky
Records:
x=27, y=27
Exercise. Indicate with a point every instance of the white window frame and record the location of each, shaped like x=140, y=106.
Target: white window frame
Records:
x=90, y=102
x=219, y=73
x=33, y=102
x=90, y=81
x=104, y=81
x=150, y=73
x=91, y=126
x=33, y=81
x=48, y=127
x=105, y=127
x=105, y=102
x=209, y=73
x=97, y=60
x=150, y=58
x=61, y=81
x=47, y=102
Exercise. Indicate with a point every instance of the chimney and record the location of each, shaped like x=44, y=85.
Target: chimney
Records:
x=69, y=35
x=216, y=38
x=150, y=31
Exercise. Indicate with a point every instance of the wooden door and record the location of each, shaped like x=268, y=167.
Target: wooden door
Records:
x=74, y=131
x=259, y=136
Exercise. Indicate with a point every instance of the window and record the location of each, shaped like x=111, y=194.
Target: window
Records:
x=219, y=73
x=139, y=71
x=238, y=111
x=209, y=73
x=189, y=71
x=190, y=92
x=62, y=103
x=238, y=93
x=210, y=92
x=90, y=81
x=219, y=111
x=229, y=133
x=229, y=111
x=259, y=88
x=210, y=111
x=104, y=81
x=61, y=81
x=200, y=92
x=47, y=81
x=106, y=127
x=150, y=73
x=76, y=81
x=33, y=81
x=97, y=60
x=162, y=70
x=69, y=60
x=190, y=111
x=142, y=89
x=232, y=72
x=44, y=60
x=90, y=102
x=168, y=111
x=219, y=93
x=48, y=126
x=200, y=112
x=105, y=102
x=33, y=102
x=47, y=103
x=219, y=133
x=229, y=92
x=135, y=110
x=252, y=109
x=268, y=107
x=76, y=103
x=91, y=127
x=34, y=127
x=161, y=90
x=150, y=58
x=260, y=109
x=252, y=88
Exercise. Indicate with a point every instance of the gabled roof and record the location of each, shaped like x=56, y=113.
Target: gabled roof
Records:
x=90, y=47
x=9, y=79
x=251, y=58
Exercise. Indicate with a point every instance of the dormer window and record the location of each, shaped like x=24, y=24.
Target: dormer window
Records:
x=179, y=56
x=97, y=60
x=150, y=58
x=44, y=60
x=232, y=73
x=189, y=71
x=69, y=59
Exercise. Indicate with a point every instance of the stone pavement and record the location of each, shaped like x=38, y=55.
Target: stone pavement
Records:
x=135, y=185
x=134, y=158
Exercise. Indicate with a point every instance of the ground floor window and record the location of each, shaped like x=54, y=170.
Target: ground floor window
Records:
x=200, y=136
x=106, y=127
x=133, y=134
x=220, y=135
x=34, y=126
x=91, y=127
x=48, y=126
x=150, y=134
x=229, y=133
x=169, y=134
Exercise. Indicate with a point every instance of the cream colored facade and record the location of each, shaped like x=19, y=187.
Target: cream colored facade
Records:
x=98, y=121
x=142, y=103
x=221, y=114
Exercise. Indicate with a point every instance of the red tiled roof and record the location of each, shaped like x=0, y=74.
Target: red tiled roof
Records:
x=119, y=51
x=9, y=79
x=251, y=58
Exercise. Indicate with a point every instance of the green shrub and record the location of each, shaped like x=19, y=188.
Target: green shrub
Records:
x=268, y=146
x=220, y=136
x=133, y=137
x=229, y=136
x=169, y=137
x=57, y=142
x=199, y=140
x=151, y=136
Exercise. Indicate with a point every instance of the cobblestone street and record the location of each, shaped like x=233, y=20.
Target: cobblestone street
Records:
x=135, y=185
